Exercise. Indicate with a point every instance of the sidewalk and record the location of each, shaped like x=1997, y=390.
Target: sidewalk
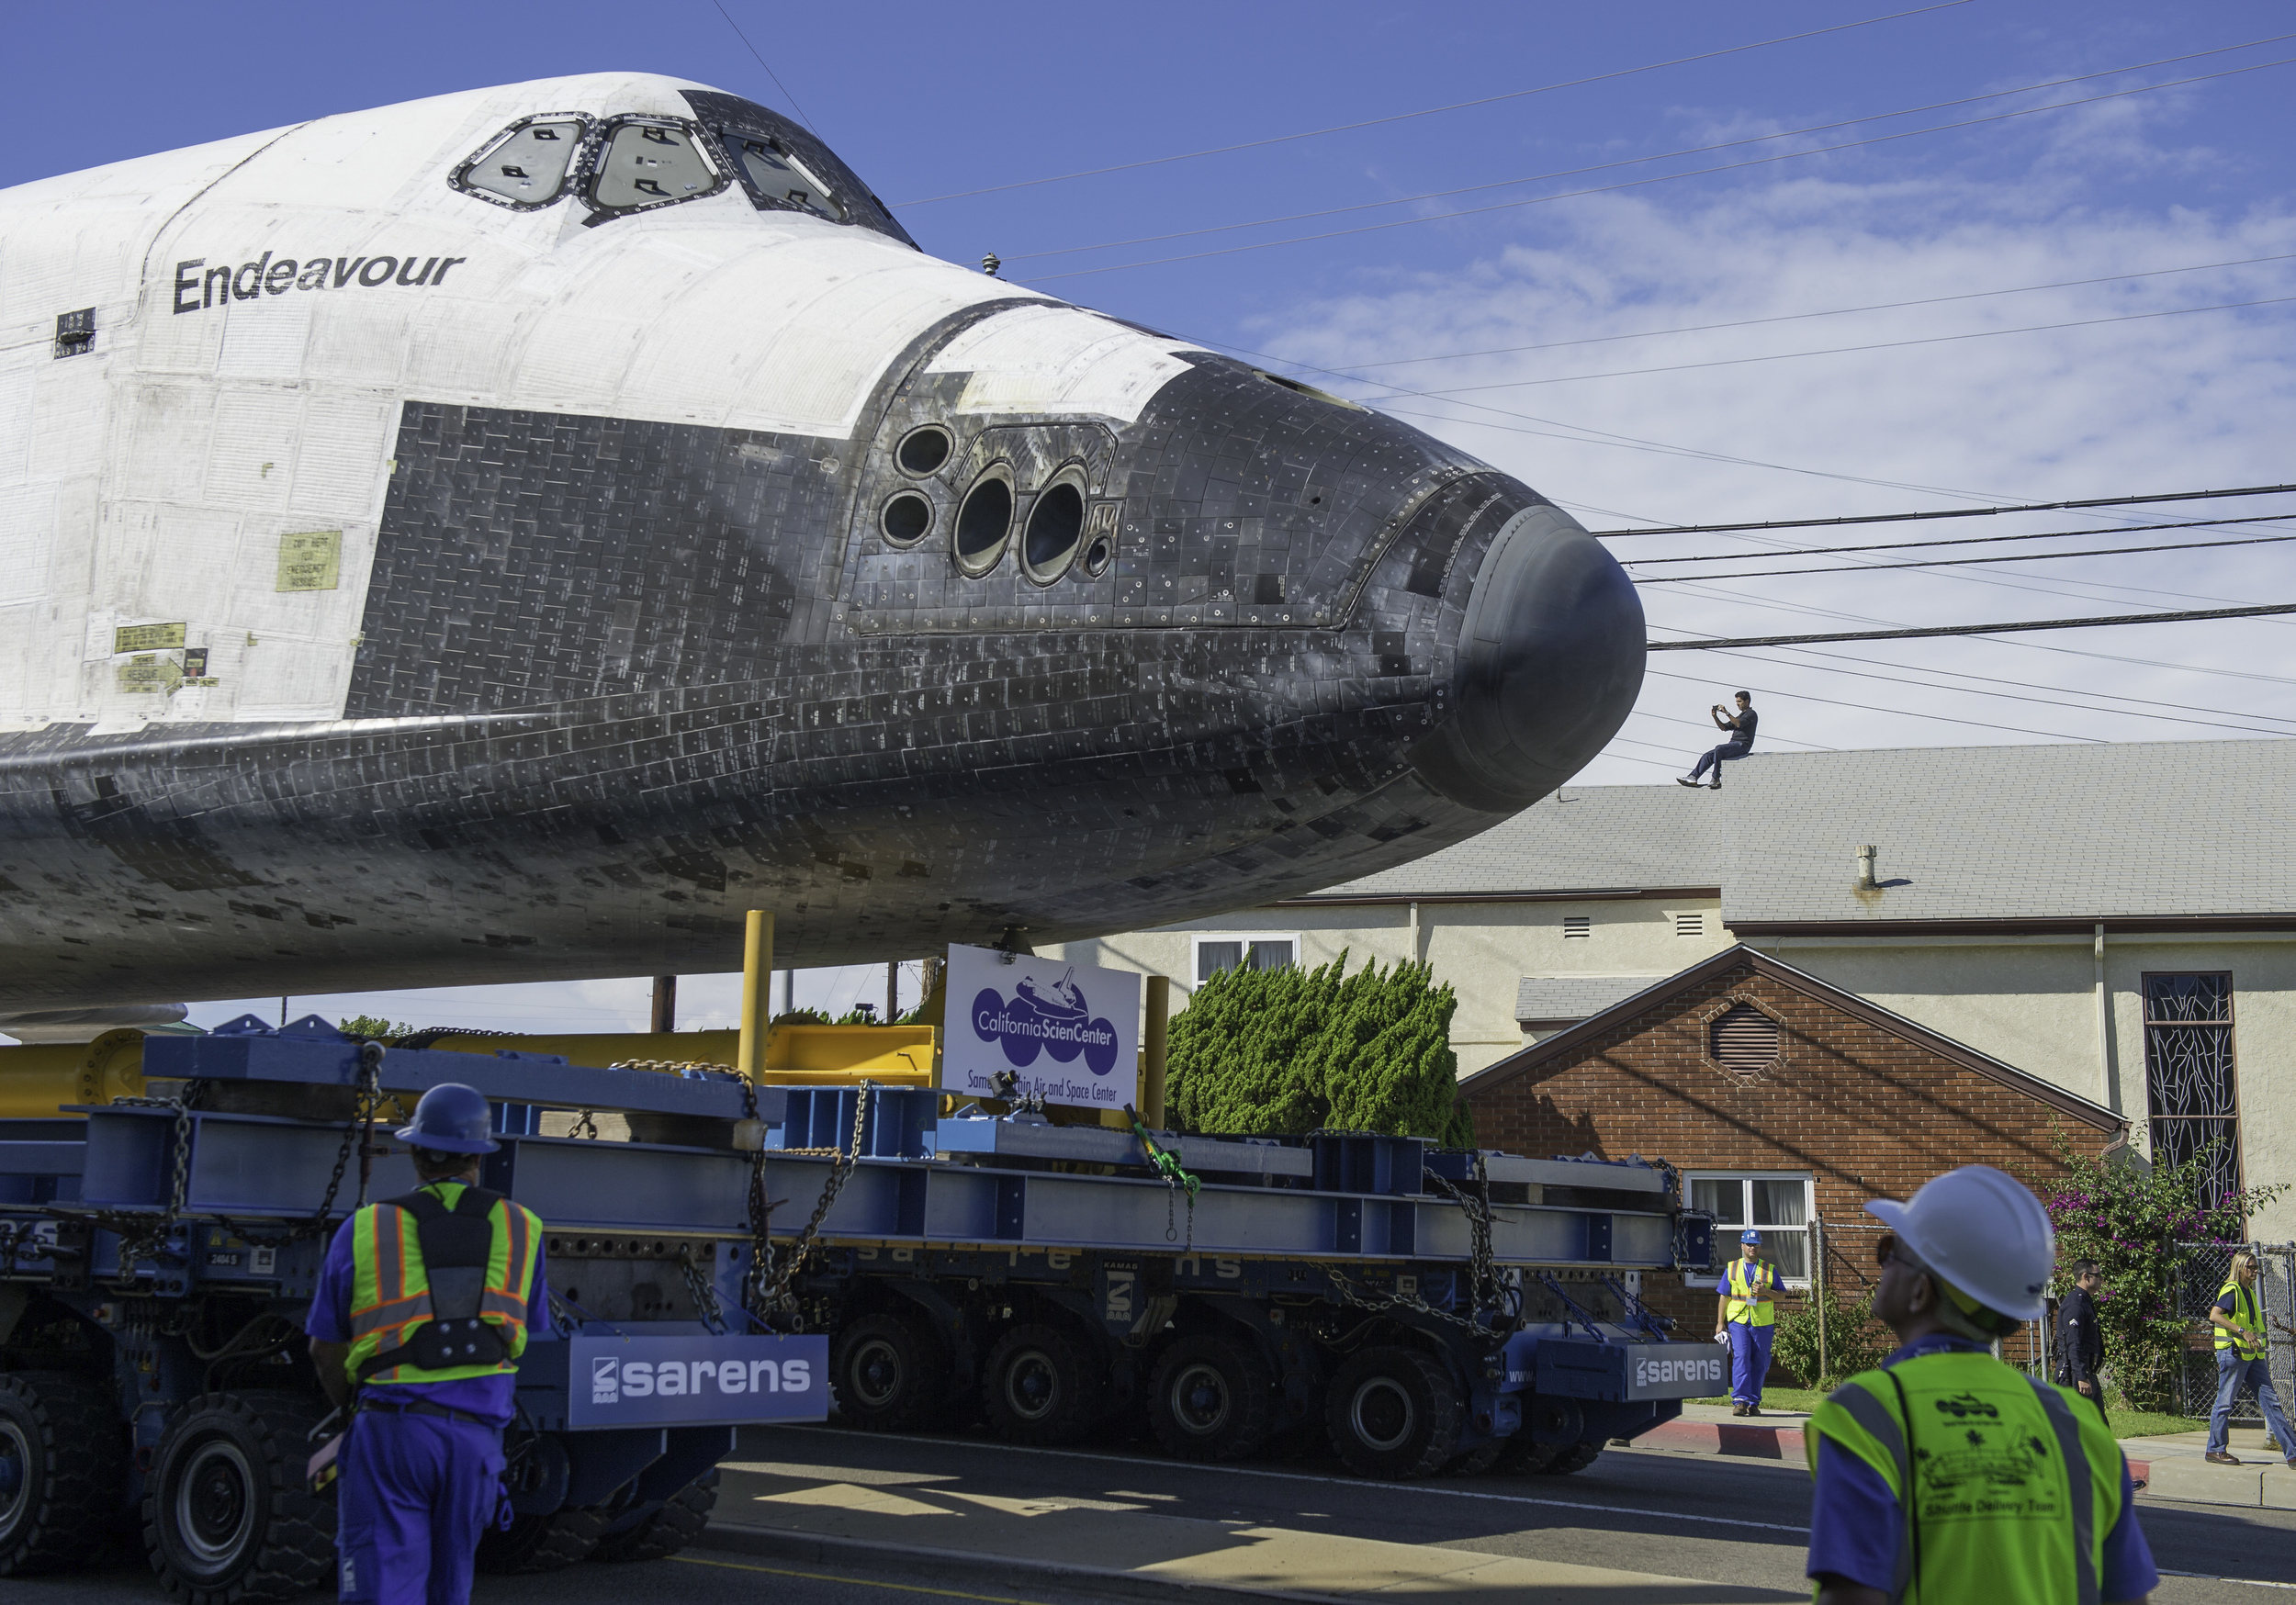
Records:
x=1708, y=1429
x=1118, y=1547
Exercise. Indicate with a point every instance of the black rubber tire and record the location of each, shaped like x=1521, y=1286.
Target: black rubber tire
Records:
x=1393, y=1413
x=1573, y=1457
x=62, y=1493
x=1475, y=1461
x=228, y=1515
x=1040, y=1386
x=1209, y=1398
x=1520, y=1455
x=888, y=1374
x=668, y=1529
x=542, y=1543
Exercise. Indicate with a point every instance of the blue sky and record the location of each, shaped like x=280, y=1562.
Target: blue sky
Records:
x=2143, y=383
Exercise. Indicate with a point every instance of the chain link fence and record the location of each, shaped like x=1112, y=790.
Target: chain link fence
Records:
x=2201, y=1269
x=1840, y=1254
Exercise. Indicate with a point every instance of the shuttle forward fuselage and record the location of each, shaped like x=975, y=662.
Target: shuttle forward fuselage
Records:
x=506, y=536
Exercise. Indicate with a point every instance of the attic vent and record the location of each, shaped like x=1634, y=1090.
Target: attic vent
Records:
x=1690, y=925
x=1743, y=1039
x=1578, y=925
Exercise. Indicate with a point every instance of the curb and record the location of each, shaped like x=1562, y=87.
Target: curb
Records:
x=1105, y=1582
x=1725, y=1438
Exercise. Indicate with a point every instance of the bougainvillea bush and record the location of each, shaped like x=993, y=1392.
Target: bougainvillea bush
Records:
x=2129, y=1217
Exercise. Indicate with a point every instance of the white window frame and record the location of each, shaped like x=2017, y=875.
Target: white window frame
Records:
x=1196, y=940
x=1727, y=1251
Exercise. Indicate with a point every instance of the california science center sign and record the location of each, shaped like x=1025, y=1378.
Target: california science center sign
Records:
x=1068, y=1032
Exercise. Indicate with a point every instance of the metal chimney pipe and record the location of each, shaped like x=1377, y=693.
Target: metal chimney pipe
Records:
x=1866, y=856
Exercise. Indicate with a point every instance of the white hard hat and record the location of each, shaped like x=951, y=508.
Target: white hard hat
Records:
x=1982, y=1230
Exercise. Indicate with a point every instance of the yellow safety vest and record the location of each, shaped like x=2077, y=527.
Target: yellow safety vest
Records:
x=477, y=1285
x=2250, y=1343
x=1750, y=1294
x=2014, y=1484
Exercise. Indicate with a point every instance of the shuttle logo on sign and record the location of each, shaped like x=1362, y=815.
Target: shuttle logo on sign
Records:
x=697, y=1381
x=1067, y=1032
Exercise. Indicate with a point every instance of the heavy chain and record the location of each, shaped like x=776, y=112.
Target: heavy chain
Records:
x=585, y=1126
x=141, y=1236
x=1489, y=1292
x=700, y=1289
x=356, y=1131
x=760, y=1294
x=676, y=1064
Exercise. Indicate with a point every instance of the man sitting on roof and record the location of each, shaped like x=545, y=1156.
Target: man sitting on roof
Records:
x=1742, y=740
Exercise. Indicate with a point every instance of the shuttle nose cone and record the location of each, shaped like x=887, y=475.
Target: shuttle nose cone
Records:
x=1550, y=662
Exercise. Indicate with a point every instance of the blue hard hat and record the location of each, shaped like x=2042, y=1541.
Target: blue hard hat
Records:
x=452, y=1118
x=1749, y=1235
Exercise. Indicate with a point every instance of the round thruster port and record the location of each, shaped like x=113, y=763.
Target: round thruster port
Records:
x=1096, y=557
x=906, y=519
x=922, y=450
x=984, y=522
x=1055, y=531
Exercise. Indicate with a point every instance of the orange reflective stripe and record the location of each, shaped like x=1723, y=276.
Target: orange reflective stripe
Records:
x=398, y=1312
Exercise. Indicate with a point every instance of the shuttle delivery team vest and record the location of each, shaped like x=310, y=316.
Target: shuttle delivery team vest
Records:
x=441, y=1281
x=2250, y=1342
x=2007, y=1490
x=1750, y=1294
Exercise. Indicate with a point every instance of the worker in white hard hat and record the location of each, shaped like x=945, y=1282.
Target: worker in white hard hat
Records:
x=1944, y=1476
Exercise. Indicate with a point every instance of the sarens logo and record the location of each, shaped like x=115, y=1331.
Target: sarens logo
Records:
x=198, y=285
x=1689, y=1368
x=613, y=1379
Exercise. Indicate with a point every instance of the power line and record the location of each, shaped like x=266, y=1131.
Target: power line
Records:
x=1951, y=562
x=1980, y=629
x=768, y=70
x=1776, y=552
x=1405, y=200
x=2070, y=284
x=1430, y=111
x=1899, y=518
x=1902, y=713
x=1661, y=178
x=1734, y=362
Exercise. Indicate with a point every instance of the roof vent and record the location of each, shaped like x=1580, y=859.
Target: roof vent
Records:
x=1865, y=868
x=1742, y=1040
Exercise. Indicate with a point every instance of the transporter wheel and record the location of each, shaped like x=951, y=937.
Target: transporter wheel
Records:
x=1211, y=1398
x=542, y=1543
x=1573, y=1457
x=62, y=1462
x=1520, y=1455
x=1040, y=1386
x=1475, y=1461
x=1393, y=1413
x=226, y=1514
x=668, y=1529
x=888, y=1374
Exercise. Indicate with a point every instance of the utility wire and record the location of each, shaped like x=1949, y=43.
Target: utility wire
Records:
x=1899, y=518
x=1954, y=562
x=1900, y=712
x=1777, y=552
x=1430, y=111
x=1661, y=178
x=768, y=70
x=2184, y=617
x=2070, y=284
x=1404, y=200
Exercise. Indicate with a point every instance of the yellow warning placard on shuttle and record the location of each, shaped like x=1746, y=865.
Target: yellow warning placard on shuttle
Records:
x=310, y=561
x=146, y=638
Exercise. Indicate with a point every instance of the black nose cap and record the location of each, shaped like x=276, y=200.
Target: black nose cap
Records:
x=1549, y=664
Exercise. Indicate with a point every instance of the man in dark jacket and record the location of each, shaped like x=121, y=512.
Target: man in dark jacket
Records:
x=2080, y=1343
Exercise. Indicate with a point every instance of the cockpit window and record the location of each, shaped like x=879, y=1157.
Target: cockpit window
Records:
x=651, y=163
x=528, y=165
x=779, y=178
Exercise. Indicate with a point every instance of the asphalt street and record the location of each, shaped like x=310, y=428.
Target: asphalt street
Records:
x=1732, y=1522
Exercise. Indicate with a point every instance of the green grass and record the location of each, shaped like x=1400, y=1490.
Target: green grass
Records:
x=2126, y=1423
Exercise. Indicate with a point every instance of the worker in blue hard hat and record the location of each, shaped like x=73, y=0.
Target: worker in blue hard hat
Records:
x=424, y=1304
x=1746, y=1318
x=1943, y=1475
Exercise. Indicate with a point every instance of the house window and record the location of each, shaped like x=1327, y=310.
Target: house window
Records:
x=1690, y=925
x=1245, y=949
x=1743, y=1039
x=2188, y=1075
x=1575, y=925
x=1774, y=1203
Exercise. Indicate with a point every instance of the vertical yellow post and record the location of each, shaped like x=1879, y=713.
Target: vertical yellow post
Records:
x=757, y=980
x=1152, y=1044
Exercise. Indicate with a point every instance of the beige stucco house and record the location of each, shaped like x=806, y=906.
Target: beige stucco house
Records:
x=2119, y=920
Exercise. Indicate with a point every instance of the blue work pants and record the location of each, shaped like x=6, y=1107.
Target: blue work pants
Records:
x=1750, y=1361
x=2231, y=1371
x=1715, y=759
x=417, y=1491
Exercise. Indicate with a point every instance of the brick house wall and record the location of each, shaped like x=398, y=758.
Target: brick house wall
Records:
x=1868, y=1103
